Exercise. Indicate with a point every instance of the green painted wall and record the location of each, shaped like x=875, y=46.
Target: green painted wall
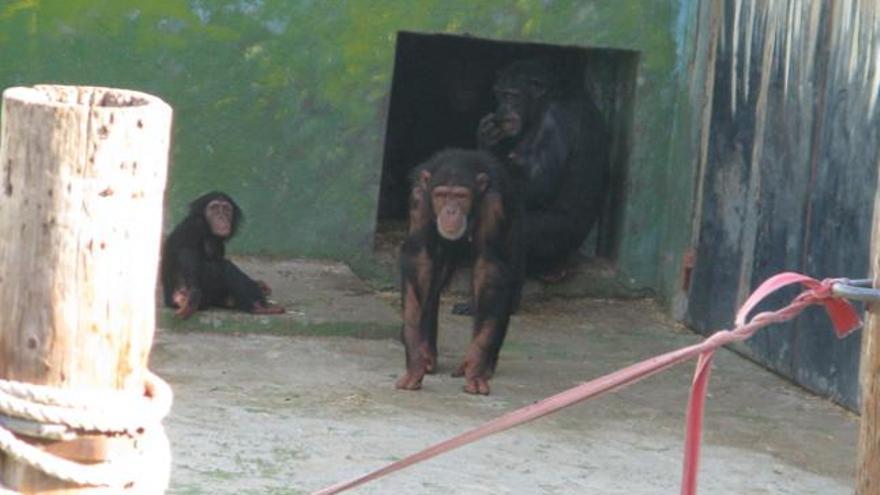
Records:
x=282, y=103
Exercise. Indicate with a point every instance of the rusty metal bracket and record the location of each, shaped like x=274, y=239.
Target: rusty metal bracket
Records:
x=856, y=290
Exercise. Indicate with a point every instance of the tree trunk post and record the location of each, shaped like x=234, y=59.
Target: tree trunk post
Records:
x=868, y=474
x=82, y=180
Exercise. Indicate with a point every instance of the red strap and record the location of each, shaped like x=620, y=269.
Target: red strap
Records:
x=843, y=315
x=694, y=424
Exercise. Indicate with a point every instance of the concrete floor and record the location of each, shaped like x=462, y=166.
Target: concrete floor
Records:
x=291, y=404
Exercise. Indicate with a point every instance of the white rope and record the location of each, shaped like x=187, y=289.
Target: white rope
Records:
x=105, y=411
x=89, y=410
x=103, y=474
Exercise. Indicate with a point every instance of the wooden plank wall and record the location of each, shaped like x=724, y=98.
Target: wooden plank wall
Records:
x=788, y=176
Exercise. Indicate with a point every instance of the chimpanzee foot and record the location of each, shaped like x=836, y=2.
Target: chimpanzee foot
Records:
x=411, y=380
x=266, y=309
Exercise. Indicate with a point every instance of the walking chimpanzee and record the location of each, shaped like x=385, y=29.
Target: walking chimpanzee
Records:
x=463, y=209
x=557, y=145
x=194, y=269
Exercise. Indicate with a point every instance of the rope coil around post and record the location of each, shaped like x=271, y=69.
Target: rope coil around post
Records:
x=68, y=414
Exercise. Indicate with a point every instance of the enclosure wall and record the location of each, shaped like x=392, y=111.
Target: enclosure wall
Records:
x=283, y=104
x=788, y=171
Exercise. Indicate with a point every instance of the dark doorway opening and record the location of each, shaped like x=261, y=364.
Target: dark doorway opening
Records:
x=442, y=86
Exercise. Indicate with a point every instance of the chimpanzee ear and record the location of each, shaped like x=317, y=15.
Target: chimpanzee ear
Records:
x=424, y=178
x=482, y=182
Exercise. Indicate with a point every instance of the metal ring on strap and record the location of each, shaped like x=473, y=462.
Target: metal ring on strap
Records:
x=856, y=290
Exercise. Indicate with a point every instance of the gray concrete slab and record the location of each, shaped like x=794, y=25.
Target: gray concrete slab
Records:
x=290, y=413
x=321, y=298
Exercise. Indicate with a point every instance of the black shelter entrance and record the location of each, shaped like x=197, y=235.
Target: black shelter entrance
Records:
x=442, y=86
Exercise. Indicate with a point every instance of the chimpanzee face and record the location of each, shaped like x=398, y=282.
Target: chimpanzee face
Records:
x=521, y=92
x=219, y=214
x=452, y=203
x=511, y=109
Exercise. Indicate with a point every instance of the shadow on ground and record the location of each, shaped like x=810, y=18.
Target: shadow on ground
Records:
x=290, y=404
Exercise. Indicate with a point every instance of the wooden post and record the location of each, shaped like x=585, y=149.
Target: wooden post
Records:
x=82, y=179
x=868, y=474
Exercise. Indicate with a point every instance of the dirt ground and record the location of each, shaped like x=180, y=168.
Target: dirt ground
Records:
x=294, y=403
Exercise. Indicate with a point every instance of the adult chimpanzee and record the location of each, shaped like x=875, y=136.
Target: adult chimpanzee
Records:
x=557, y=145
x=195, y=271
x=463, y=208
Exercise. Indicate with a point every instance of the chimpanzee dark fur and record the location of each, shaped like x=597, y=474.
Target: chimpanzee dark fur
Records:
x=194, y=269
x=557, y=145
x=464, y=209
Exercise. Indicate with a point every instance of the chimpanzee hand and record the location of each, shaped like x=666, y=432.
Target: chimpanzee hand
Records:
x=476, y=373
x=489, y=133
x=187, y=302
x=423, y=363
x=411, y=380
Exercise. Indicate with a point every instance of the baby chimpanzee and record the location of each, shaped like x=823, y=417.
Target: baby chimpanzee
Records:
x=195, y=271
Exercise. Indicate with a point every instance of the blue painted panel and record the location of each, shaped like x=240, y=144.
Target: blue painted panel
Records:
x=789, y=179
